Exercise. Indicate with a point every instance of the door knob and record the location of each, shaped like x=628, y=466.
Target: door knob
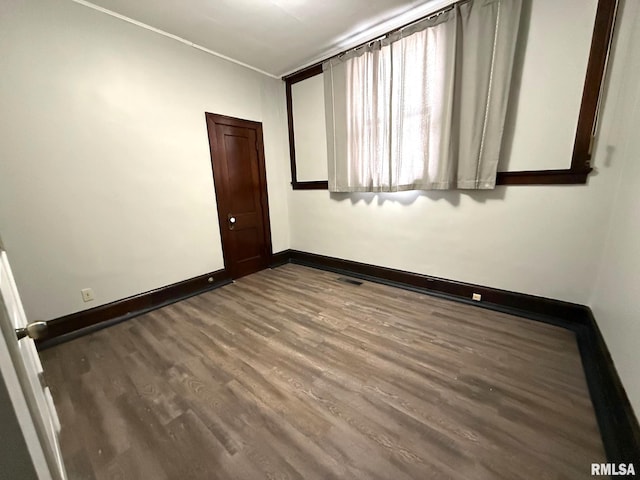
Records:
x=232, y=221
x=35, y=330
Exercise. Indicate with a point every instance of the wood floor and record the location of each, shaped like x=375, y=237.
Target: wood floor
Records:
x=291, y=374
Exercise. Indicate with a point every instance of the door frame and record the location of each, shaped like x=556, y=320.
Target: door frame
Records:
x=220, y=186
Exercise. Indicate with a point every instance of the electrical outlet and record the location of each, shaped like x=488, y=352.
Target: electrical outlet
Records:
x=476, y=297
x=87, y=294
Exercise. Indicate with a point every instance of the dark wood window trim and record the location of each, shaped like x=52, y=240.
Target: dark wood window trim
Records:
x=289, y=81
x=580, y=167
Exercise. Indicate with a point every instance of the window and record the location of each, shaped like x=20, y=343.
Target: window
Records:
x=579, y=169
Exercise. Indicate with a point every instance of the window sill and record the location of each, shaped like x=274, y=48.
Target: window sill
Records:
x=530, y=177
x=544, y=177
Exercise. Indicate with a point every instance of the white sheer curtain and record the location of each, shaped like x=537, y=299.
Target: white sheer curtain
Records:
x=369, y=116
x=425, y=107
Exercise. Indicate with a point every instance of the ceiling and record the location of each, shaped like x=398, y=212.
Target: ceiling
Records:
x=274, y=36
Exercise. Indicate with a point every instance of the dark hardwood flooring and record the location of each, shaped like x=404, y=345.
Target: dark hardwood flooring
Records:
x=291, y=374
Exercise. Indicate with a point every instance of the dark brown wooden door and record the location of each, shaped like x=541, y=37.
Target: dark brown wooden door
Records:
x=237, y=158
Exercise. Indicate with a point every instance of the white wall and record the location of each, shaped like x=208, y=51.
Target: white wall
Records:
x=310, y=136
x=541, y=240
x=550, y=65
x=615, y=301
x=536, y=240
x=105, y=174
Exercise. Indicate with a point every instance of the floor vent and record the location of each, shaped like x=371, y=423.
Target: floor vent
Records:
x=349, y=280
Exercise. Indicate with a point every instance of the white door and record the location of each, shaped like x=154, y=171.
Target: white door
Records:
x=22, y=372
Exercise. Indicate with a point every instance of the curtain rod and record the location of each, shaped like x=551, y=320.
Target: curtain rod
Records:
x=434, y=14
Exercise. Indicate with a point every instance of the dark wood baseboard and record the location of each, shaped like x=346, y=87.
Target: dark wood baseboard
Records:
x=618, y=424
x=80, y=323
x=530, y=304
x=616, y=419
x=280, y=258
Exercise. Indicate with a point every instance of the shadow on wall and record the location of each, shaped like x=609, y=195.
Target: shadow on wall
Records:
x=409, y=197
